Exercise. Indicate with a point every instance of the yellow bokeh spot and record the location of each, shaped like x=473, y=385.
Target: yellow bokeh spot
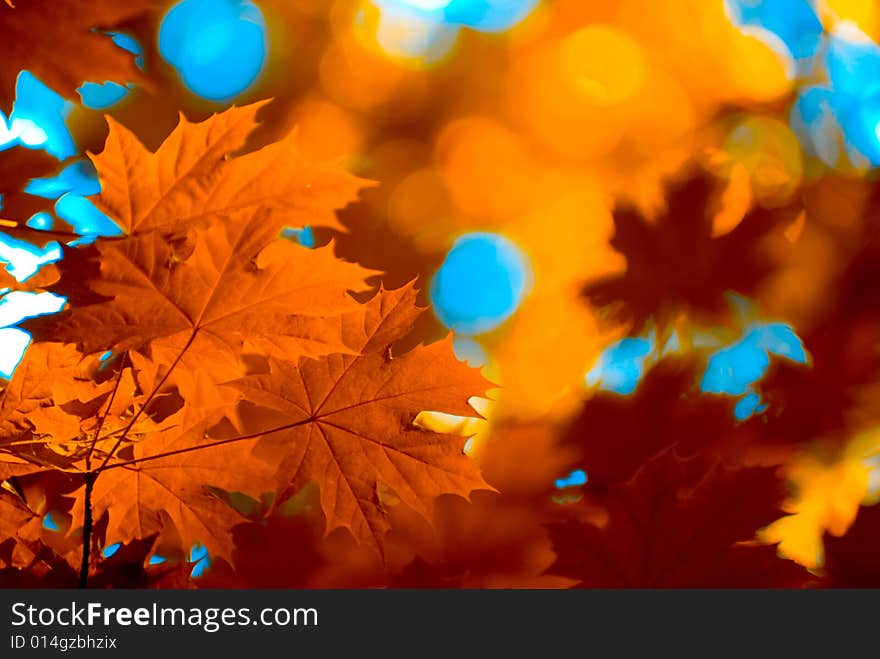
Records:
x=864, y=13
x=771, y=155
x=486, y=168
x=659, y=113
x=359, y=77
x=418, y=207
x=759, y=64
x=325, y=130
x=735, y=202
x=604, y=64
x=559, y=114
x=828, y=499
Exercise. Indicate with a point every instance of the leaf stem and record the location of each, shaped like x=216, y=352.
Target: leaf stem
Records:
x=106, y=412
x=200, y=447
x=146, y=403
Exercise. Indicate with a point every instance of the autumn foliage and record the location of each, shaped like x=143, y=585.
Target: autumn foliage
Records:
x=203, y=314
x=212, y=387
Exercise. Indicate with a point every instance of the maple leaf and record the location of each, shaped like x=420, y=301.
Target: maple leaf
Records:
x=239, y=282
x=346, y=421
x=27, y=561
x=677, y=524
x=12, y=465
x=55, y=400
x=194, y=178
x=33, y=564
x=161, y=483
x=387, y=317
x=674, y=264
x=30, y=389
x=56, y=41
x=14, y=514
x=92, y=409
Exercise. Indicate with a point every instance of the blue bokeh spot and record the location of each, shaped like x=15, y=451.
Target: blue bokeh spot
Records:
x=844, y=111
x=79, y=177
x=24, y=259
x=734, y=369
x=576, y=478
x=100, y=96
x=218, y=47
x=621, y=366
x=747, y=406
x=84, y=217
x=42, y=221
x=814, y=120
x=795, y=22
x=37, y=120
x=480, y=284
x=480, y=15
x=468, y=349
x=71, y=187
x=488, y=15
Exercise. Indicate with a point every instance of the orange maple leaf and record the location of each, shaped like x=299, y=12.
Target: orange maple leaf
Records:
x=164, y=486
x=239, y=282
x=13, y=465
x=346, y=421
x=195, y=178
x=14, y=514
x=31, y=386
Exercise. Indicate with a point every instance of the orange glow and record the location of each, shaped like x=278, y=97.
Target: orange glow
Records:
x=469, y=152
x=603, y=64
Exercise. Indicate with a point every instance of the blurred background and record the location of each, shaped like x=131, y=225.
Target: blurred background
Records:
x=539, y=164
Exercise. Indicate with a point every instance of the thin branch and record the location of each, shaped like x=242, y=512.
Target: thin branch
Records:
x=200, y=447
x=111, y=434
x=152, y=395
x=87, y=530
x=106, y=412
x=23, y=442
